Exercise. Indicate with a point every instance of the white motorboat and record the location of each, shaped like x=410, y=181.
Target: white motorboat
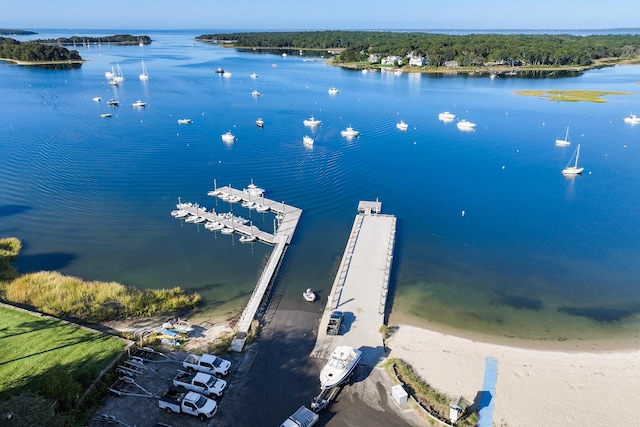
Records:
x=226, y=230
x=185, y=121
x=446, y=116
x=228, y=137
x=191, y=218
x=309, y=295
x=255, y=93
x=253, y=75
x=233, y=199
x=465, y=125
x=139, y=104
x=402, y=125
x=261, y=208
x=349, y=132
x=259, y=122
x=333, y=91
x=226, y=74
x=113, y=102
x=339, y=367
x=219, y=71
x=307, y=140
x=247, y=239
x=96, y=99
x=564, y=142
x=105, y=115
x=311, y=121
x=632, y=119
x=572, y=168
x=214, y=226
x=254, y=190
x=199, y=220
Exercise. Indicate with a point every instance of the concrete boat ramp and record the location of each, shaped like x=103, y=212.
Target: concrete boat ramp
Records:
x=360, y=286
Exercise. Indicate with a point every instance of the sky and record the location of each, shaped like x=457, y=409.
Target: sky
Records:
x=258, y=15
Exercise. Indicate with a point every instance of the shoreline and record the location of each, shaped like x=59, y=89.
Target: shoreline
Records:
x=28, y=63
x=618, y=342
x=534, y=387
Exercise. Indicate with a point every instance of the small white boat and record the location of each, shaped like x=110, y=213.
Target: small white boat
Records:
x=233, y=199
x=199, y=220
x=402, y=125
x=465, y=125
x=113, y=102
x=309, y=295
x=145, y=73
x=312, y=121
x=572, y=168
x=260, y=122
x=180, y=213
x=349, y=132
x=139, y=104
x=253, y=75
x=254, y=190
x=185, y=121
x=226, y=74
x=96, y=99
x=228, y=137
x=219, y=71
x=191, y=218
x=255, y=93
x=226, y=230
x=446, y=116
x=632, y=119
x=564, y=142
x=261, y=208
x=339, y=367
x=214, y=226
x=105, y=115
x=333, y=91
x=247, y=239
x=113, y=82
x=307, y=140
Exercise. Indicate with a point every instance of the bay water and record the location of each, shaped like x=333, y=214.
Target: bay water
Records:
x=491, y=237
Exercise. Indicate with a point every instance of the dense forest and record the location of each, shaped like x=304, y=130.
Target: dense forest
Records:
x=438, y=49
x=6, y=32
x=126, y=39
x=35, y=52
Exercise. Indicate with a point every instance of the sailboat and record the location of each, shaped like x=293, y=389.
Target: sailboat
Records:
x=564, y=142
x=573, y=170
x=118, y=77
x=145, y=73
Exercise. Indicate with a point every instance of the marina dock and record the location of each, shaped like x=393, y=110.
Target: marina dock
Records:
x=360, y=286
x=285, y=223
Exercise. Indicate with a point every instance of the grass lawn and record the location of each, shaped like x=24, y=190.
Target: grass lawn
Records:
x=31, y=345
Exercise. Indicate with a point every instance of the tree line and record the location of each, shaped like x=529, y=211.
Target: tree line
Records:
x=34, y=51
x=125, y=39
x=437, y=49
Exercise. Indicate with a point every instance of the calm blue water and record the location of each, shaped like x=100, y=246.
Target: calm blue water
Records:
x=536, y=255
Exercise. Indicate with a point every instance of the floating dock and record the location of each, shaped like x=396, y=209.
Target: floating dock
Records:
x=287, y=218
x=361, y=285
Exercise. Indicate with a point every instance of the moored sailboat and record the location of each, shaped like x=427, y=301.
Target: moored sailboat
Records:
x=573, y=169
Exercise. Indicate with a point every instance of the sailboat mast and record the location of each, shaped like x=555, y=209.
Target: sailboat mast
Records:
x=577, y=156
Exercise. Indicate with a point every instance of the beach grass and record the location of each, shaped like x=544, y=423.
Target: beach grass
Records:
x=38, y=351
x=571, y=95
x=435, y=402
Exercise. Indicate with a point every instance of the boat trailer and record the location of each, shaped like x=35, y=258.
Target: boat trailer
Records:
x=127, y=386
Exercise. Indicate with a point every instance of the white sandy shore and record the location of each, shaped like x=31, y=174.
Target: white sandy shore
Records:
x=534, y=387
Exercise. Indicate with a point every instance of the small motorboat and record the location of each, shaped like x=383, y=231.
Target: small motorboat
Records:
x=105, y=115
x=260, y=122
x=185, y=121
x=307, y=140
x=96, y=99
x=309, y=295
x=402, y=125
x=311, y=121
x=255, y=93
x=113, y=102
x=228, y=137
x=139, y=104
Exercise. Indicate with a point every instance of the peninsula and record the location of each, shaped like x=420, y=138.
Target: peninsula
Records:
x=444, y=53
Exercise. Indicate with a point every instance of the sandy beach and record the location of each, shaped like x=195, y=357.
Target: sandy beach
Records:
x=534, y=387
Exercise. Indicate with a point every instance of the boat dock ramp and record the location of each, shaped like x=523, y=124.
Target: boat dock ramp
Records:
x=360, y=286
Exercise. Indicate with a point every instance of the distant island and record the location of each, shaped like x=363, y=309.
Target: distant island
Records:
x=427, y=52
x=123, y=39
x=5, y=32
x=34, y=53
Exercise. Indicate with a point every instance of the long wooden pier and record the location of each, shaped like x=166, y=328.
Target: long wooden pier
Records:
x=360, y=286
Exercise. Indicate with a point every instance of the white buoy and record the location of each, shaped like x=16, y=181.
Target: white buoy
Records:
x=463, y=212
